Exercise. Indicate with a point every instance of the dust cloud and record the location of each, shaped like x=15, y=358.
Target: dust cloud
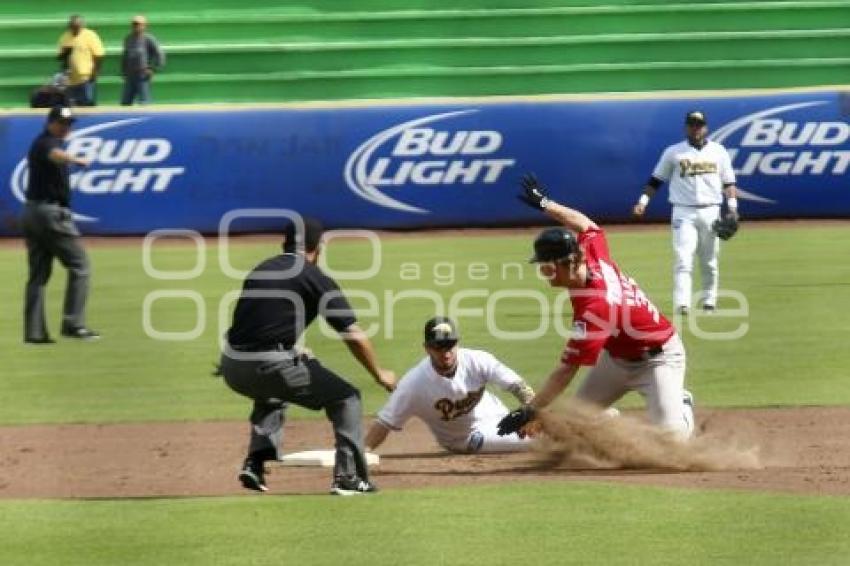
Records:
x=580, y=437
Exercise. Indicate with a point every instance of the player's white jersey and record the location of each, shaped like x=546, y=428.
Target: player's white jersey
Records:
x=451, y=407
x=696, y=176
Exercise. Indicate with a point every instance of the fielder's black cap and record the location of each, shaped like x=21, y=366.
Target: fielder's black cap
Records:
x=441, y=331
x=554, y=244
x=305, y=235
x=695, y=117
x=61, y=114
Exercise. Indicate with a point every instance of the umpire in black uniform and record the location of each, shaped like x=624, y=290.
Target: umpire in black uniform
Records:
x=261, y=361
x=50, y=233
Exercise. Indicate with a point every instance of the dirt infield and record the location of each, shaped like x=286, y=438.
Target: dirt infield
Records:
x=802, y=450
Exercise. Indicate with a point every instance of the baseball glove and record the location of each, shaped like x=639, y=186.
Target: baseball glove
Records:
x=515, y=420
x=725, y=227
x=532, y=429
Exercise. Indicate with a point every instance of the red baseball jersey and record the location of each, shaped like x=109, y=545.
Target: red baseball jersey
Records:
x=611, y=312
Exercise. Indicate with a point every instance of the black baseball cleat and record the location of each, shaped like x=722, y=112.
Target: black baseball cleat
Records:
x=42, y=340
x=252, y=476
x=81, y=333
x=352, y=485
x=682, y=311
x=708, y=309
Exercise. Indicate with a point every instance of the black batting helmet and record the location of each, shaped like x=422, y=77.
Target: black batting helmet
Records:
x=554, y=244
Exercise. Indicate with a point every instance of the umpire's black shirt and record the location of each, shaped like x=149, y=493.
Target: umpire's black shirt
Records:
x=48, y=180
x=265, y=321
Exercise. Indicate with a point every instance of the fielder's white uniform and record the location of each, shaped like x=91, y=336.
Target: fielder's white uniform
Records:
x=461, y=413
x=696, y=177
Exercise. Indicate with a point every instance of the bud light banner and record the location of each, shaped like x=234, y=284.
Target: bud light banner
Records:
x=428, y=165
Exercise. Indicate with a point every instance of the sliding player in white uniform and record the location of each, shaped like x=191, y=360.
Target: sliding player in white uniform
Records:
x=447, y=390
x=699, y=172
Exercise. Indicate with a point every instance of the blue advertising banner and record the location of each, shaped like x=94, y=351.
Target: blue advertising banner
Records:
x=436, y=164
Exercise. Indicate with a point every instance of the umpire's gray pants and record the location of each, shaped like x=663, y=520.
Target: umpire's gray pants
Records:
x=50, y=233
x=273, y=380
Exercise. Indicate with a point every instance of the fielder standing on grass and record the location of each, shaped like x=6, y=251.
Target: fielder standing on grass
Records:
x=50, y=232
x=700, y=173
x=617, y=331
x=261, y=359
x=447, y=390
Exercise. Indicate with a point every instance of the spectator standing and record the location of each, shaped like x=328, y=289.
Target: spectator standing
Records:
x=142, y=56
x=81, y=53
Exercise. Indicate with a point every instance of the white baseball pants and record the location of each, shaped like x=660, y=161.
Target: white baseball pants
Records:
x=659, y=380
x=484, y=437
x=692, y=234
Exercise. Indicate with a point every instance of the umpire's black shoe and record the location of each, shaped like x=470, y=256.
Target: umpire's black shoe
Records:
x=252, y=476
x=352, y=485
x=42, y=340
x=80, y=333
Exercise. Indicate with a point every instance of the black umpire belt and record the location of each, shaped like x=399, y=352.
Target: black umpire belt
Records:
x=47, y=201
x=279, y=347
x=647, y=354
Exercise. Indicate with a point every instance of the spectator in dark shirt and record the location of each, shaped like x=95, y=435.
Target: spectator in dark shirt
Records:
x=50, y=233
x=262, y=361
x=142, y=56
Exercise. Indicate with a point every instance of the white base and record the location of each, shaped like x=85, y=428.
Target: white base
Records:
x=321, y=458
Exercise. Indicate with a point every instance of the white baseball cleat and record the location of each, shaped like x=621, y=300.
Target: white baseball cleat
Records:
x=688, y=412
x=611, y=412
x=352, y=486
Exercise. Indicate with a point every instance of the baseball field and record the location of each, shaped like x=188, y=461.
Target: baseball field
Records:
x=125, y=450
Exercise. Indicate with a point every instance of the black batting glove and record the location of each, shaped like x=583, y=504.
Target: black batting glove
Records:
x=515, y=420
x=533, y=193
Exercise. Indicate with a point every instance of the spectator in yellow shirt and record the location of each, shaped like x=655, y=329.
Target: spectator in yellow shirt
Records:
x=81, y=53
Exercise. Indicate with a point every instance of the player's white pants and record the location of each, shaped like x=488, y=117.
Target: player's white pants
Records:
x=484, y=438
x=692, y=233
x=659, y=380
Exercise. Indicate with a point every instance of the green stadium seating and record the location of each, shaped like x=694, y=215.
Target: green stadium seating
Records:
x=254, y=50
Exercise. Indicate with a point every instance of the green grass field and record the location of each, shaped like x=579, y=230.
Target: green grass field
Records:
x=551, y=523
x=796, y=286
x=796, y=282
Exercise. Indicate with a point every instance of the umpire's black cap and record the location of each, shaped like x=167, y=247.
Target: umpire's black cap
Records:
x=696, y=117
x=554, y=244
x=441, y=331
x=61, y=114
x=295, y=239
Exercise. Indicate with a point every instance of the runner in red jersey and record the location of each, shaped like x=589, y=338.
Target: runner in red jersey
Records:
x=617, y=331
x=610, y=310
